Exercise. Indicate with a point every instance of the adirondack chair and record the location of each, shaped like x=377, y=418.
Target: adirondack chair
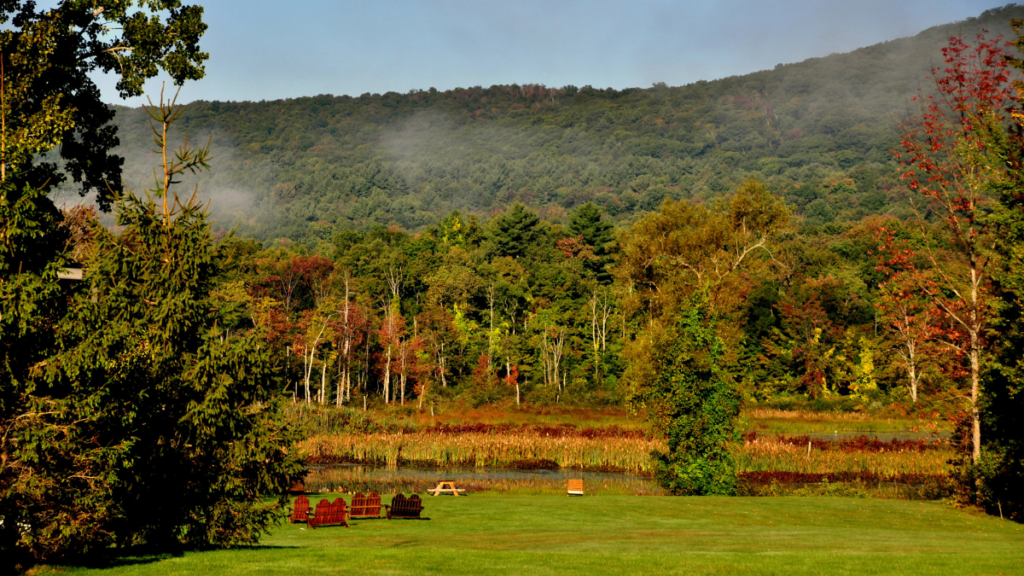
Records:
x=402, y=507
x=575, y=487
x=300, y=511
x=367, y=506
x=327, y=514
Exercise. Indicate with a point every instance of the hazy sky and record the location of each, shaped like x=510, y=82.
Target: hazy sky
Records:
x=262, y=49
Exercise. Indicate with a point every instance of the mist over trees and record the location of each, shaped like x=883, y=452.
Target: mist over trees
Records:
x=819, y=132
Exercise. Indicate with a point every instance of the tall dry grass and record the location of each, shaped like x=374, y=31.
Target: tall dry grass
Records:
x=766, y=453
x=490, y=450
x=625, y=454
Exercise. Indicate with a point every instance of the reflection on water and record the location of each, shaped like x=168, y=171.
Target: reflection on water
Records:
x=358, y=478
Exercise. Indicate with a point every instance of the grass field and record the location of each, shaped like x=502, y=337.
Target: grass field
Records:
x=491, y=534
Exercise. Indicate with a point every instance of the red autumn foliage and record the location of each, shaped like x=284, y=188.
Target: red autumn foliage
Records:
x=576, y=248
x=295, y=278
x=857, y=443
x=946, y=150
x=784, y=477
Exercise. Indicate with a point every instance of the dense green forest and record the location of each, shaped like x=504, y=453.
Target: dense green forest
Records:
x=819, y=132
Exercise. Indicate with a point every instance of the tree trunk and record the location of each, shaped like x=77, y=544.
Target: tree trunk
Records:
x=403, y=376
x=975, y=411
x=387, y=377
x=307, y=368
x=490, y=331
x=441, y=366
x=594, y=335
x=323, y=384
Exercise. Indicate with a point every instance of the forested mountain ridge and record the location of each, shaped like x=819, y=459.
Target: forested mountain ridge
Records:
x=819, y=132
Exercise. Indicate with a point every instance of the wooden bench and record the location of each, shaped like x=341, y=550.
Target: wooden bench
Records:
x=327, y=514
x=402, y=507
x=365, y=506
x=575, y=487
x=300, y=512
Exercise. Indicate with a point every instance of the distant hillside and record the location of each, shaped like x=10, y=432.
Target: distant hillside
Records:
x=819, y=131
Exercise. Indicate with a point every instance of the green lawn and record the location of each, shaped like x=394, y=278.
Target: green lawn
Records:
x=491, y=534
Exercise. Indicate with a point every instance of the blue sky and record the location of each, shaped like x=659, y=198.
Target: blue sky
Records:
x=263, y=50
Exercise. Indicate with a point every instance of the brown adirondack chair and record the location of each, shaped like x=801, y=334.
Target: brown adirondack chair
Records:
x=367, y=506
x=402, y=507
x=327, y=514
x=300, y=511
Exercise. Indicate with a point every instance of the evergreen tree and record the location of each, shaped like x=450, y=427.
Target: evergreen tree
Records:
x=586, y=223
x=150, y=424
x=516, y=231
x=47, y=102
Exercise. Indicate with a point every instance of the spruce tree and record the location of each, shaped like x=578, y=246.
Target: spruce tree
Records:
x=516, y=232
x=51, y=496
x=154, y=425
x=586, y=223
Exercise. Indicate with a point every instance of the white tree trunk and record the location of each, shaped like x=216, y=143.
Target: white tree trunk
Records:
x=323, y=384
x=387, y=377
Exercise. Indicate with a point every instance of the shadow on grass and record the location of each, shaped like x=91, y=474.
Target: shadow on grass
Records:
x=140, y=556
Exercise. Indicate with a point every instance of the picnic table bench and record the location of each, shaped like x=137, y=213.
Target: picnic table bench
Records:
x=446, y=487
x=300, y=511
x=327, y=514
x=402, y=507
x=365, y=506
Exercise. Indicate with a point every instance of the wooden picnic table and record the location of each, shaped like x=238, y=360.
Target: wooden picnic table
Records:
x=446, y=487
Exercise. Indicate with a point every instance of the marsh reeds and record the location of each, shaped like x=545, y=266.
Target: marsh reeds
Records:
x=769, y=453
x=630, y=453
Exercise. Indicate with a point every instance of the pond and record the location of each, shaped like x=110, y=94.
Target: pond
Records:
x=360, y=478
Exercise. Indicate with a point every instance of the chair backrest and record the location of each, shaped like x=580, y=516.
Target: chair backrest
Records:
x=301, y=509
x=411, y=503
x=340, y=503
x=576, y=485
x=373, y=499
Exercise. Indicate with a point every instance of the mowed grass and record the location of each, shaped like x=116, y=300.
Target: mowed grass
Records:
x=508, y=534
